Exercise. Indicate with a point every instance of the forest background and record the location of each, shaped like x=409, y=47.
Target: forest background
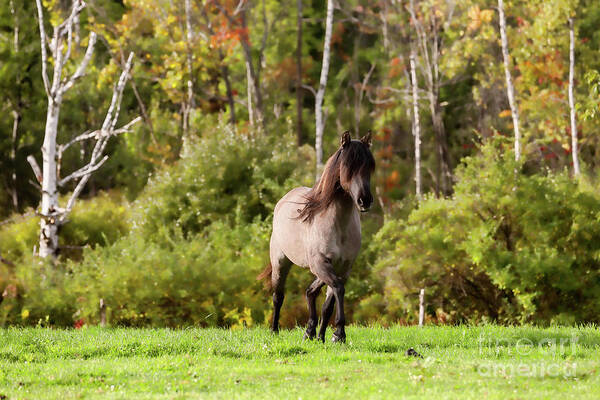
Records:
x=235, y=107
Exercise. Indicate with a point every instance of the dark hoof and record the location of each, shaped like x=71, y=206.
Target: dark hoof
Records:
x=412, y=353
x=338, y=339
x=309, y=335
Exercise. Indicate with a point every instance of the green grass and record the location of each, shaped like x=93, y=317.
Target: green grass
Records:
x=459, y=362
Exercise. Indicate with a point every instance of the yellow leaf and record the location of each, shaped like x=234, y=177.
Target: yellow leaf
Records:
x=24, y=313
x=486, y=15
x=504, y=114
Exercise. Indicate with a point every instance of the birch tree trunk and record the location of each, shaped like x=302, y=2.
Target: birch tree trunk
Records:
x=255, y=100
x=430, y=48
x=255, y=103
x=224, y=68
x=48, y=224
x=13, y=158
x=574, y=145
x=319, y=122
x=416, y=126
x=510, y=89
x=188, y=104
x=16, y=113
x=299, y=93
x=249, y=90
x=52, y=216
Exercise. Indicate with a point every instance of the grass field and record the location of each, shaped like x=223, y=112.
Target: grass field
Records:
x=458, y=362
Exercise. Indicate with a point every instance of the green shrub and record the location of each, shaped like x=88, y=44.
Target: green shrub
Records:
x=508, y=246
x=38, y=292
x=183, y=281
x=227, y=175
x=35, y=290
x=100, y=220
x=200, y=237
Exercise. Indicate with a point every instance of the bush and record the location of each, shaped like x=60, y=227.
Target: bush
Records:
x=507, y=246
x=227, y=176
x=100, y=220
x=183, y=281
x=200, y=237
x=38, y=292
x=34, y=290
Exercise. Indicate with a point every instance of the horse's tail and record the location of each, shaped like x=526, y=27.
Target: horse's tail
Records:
x=266, y=277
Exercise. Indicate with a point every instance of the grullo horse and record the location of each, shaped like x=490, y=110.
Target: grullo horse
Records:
x=319, y=228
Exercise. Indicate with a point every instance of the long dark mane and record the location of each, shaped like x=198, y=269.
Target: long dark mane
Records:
x=349, y=160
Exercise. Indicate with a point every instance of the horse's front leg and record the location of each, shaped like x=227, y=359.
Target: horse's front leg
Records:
x=325, y=272
x=340, y=319
x=311, y=296
x=326, y=312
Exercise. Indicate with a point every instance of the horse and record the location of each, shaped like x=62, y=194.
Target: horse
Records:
x=323, y=235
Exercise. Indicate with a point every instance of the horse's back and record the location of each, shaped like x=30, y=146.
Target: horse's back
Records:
x=288, y=229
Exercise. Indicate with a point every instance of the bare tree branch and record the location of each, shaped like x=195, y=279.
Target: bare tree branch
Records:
x=84, y=63
x=36, y=168
x=310, y=89
x=102, y=136
x=84, y=136
x=43, y=38
x=86, y=170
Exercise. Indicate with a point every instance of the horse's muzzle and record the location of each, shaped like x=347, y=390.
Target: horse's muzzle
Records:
x=363, y=206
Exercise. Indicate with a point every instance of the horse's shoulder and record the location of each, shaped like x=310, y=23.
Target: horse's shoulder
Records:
x=301, y=190
x=296, y=195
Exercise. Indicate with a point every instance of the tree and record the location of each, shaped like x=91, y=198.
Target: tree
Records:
x=319, y=122
x=62, y=47
x=416, y=126
x=299, y=93
x=574, y=149
x=223, y=67
x=430, y=43
x=20, y=84
x=189, y=104
x=238, y=21
x=510, y=89
x=16, y=112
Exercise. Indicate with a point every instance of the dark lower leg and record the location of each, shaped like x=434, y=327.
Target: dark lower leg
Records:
x=277, y=302
x=311, y=296
x=340, y=319
x=326, y=315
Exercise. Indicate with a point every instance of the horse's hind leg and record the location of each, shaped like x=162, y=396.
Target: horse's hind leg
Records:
x=281, y=266
x=311, y=296
x=326, y=313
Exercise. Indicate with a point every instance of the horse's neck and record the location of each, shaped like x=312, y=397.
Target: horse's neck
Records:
x=342, y=210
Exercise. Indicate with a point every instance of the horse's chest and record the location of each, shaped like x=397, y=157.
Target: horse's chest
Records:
x=342, y=243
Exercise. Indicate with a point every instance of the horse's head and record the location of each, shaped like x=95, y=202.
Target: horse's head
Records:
x=356, y=164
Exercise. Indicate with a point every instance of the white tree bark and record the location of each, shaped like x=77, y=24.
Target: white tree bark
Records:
x=416, y=126
x=52, y=215
x=430, y=49
x=250, y=89
x=320, y=123
x=510, y=89
x=16, y=112
x=255, y=99
x=299, y=92
x=188, y=104
x=574, y=144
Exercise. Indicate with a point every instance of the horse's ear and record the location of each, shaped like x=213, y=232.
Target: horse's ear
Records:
x=367, y=139
x=346, y=139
